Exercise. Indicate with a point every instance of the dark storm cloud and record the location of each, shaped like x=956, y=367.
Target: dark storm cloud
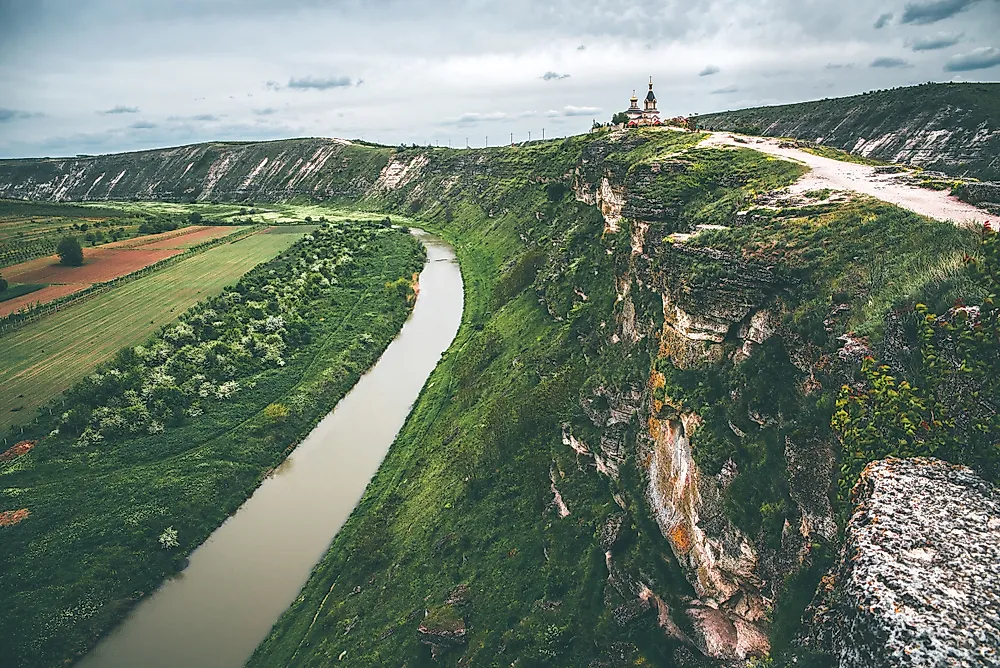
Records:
x=977, y=59
x=554, y=76
x=889, y=63
x=709, y=71
x=119, y=109
x=321, y=83
x=8, y=115
x=935, y=42
x=922, y=13
x=882, y=21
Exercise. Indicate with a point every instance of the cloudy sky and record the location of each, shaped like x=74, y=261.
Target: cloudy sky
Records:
x=97, y=76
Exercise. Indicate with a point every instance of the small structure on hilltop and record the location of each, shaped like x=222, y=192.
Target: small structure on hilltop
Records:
x=648, y=115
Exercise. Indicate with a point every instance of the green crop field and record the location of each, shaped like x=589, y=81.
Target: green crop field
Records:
x=44, y=358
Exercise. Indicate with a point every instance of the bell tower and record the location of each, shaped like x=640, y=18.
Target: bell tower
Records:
x=650, y=103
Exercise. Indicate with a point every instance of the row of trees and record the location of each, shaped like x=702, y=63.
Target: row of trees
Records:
x=216, y=349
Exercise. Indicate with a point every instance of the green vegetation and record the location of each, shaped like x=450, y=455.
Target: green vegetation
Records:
x=69, y=252
x=946, y=406
x=140, y=461
x=958, y=114
x=564, y=333
x=8, y=291
x=124, y=316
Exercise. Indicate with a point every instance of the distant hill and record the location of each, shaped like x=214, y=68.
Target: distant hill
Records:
x=953, y=128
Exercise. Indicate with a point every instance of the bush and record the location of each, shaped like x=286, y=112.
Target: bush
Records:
x=69, y=251
x=3, y=284
x=276, y=412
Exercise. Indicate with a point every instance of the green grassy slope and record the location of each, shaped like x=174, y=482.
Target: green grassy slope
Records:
x=465, y=497
x=952, y=127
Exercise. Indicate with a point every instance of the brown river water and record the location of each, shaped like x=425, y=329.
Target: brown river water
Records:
x=216, y=611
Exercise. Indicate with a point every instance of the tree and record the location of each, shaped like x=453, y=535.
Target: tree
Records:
x=69, y=251
x=3, y=284
x=194, y=218
x=621, y=118
x=168, y=539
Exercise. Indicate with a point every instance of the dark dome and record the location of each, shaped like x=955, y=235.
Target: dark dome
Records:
x=650, y=97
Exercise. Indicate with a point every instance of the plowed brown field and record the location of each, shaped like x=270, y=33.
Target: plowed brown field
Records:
x=99, y=265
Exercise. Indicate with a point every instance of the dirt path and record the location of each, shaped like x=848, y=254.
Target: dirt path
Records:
x=837, y=175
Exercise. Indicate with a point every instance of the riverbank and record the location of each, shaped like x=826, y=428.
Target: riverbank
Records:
x=239, y=581
x=89, y=548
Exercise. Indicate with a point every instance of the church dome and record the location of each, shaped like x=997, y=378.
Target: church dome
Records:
x=650, y=97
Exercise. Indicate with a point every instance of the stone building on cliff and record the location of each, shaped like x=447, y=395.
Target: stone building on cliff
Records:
x=648, y=115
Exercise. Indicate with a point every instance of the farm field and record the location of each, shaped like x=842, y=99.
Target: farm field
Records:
x=192, y=236
x=32, y=229
x=233, y=213
x=42, y=295
x=99, y=264
x=42, y=359
x=80, y=515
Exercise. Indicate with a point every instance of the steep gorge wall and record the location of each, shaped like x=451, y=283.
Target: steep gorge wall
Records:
x=316, y=168
x=954, y=128
x=607, y=219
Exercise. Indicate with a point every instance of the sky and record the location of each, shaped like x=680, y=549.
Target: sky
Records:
x=101, y=76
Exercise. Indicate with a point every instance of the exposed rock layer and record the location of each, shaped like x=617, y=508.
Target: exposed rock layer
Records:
x=917, y=582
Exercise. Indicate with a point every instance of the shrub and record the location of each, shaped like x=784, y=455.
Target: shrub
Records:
x=3, y=284
x=168, y=539
x=276, y=412
x=69, y=251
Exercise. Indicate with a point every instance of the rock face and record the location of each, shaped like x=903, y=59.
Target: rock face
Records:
x=918, y=582
x=327, y=168
x=729, y=615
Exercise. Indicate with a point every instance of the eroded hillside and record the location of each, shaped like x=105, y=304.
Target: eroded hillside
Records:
x=954, y=128
x=626, y=457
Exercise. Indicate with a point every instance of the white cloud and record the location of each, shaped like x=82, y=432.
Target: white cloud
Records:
x=265, y=69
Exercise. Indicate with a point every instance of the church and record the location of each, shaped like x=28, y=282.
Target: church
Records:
x=648, y=115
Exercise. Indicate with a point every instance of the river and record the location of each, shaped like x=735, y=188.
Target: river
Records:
x=217, y=610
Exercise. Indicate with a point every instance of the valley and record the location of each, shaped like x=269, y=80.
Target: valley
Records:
x=679, y=352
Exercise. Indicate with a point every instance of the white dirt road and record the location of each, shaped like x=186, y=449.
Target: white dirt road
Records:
x=838, y=175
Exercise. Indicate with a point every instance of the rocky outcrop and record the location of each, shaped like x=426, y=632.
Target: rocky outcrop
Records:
x=698, y=316
x=917, y=582
x=729, y=615
x=443, y=627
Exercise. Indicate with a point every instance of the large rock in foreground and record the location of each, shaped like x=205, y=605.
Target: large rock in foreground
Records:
x=918, y=583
